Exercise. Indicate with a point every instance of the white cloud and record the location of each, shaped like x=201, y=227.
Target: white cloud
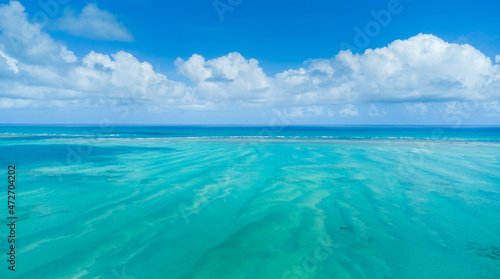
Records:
x=374, y=111
x=47, y=72
x=493, y=106
x=315, y=110
x=230, y=77
x=6, y=103
x=67, y=55
x=36, y=68
x=11, y=62
x=497, y=59
x=25, y=41
x=454, y=108
x=123, y=72
x=295, y=112
x=418, y=108
x=349, y=110
x=422, y=68
x=94, y=23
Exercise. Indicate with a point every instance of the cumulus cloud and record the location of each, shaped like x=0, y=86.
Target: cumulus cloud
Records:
x=493, y=106
x=349, y=110
x=497, y=59
x=47, y=72
x=123, y=72
x=454, y=108
x=295, y=112
x=11, y=62
x=94, y=23
x=422, y=68
x=26, y=42
x=418, y=108
x=230, y=77
x=374, y=111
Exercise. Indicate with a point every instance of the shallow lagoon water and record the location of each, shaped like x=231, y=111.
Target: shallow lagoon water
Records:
x=222, y=207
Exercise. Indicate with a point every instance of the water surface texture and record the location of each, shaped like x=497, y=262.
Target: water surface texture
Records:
x=254, y=202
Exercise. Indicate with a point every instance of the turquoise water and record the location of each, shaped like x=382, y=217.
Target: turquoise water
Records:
x=229, y=202
x=467, y=133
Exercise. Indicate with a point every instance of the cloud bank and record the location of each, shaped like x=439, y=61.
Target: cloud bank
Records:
x=37, y=71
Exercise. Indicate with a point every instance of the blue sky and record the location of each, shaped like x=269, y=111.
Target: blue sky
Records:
x=241, y=62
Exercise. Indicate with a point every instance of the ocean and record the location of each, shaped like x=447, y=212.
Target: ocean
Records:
x=233, y=202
